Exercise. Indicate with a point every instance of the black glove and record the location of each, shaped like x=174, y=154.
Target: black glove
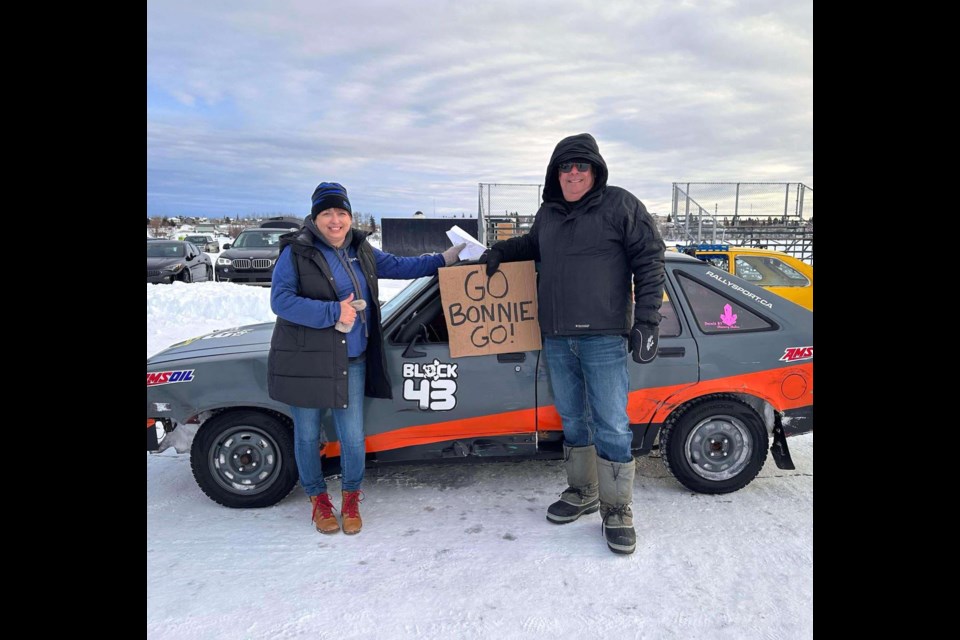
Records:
x=644, y=340
x=491, y=257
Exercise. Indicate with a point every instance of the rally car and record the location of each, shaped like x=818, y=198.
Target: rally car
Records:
x=782, y=273
x=733, y=377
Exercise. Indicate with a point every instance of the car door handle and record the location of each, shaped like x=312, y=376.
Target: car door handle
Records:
x=519, y=356
x=671, y=352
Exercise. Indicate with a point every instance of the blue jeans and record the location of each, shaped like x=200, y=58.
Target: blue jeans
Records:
x=349, y=425
x=589, y=378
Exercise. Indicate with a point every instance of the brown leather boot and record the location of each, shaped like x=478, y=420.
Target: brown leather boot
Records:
x=323, y=516
x=351, y=511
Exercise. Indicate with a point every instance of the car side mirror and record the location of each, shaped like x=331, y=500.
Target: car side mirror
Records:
x=226, y=246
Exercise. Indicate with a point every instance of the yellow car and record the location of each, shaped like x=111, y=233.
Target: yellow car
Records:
x=780, y=272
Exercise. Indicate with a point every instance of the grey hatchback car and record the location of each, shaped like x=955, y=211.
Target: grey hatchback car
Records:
x=733, y=379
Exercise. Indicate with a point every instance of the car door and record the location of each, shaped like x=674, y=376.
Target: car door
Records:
x=651, y=384
x=198, y=270
x=445, y=407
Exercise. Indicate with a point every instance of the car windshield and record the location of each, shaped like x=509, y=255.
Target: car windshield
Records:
x=164, y=250
x=261, y=238
x=196, y=239
x=400, y=300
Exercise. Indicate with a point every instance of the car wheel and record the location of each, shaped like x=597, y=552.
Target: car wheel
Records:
x=715, y=444
x=186, y=276
x=210, y=277
x=244, y=459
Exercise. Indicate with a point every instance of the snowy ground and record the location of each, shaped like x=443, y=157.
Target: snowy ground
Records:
x=464, y=550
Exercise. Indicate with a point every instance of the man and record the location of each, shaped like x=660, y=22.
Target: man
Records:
x=590, y=239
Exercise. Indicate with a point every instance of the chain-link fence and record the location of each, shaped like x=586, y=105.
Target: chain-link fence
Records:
x=772, y=215
x=506, y=210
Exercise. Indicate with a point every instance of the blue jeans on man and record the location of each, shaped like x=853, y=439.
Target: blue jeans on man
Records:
x=349, y=426
x=590, y=381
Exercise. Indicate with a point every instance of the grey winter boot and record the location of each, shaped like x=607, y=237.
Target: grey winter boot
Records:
x=616, y=494
x=581, y=496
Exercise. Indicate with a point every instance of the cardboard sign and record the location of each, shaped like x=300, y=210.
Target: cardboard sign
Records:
x=490, y=315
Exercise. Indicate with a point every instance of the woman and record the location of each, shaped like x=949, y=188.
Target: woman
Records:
x=327, y=346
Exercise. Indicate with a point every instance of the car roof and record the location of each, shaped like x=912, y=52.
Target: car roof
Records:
x=741, y=249
x=676, y=256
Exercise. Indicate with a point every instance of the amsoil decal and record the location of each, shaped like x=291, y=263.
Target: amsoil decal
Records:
x=739, y=289
x=433, y=386
x=169, y=377
x=792, y=354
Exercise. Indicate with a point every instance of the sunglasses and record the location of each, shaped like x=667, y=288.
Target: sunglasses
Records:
x=582, y=167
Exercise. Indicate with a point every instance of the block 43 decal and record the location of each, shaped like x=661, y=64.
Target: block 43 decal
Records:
x=433, y=386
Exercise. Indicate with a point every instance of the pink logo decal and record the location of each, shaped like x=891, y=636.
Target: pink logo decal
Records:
x=728, y=318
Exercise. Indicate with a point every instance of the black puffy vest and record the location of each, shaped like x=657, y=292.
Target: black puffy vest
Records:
x=307, y=367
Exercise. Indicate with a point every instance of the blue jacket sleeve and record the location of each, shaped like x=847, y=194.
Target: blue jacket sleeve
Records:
x=287, y=303
x=399, y=268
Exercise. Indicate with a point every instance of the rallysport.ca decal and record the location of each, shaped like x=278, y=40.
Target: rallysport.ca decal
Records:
x=792, y=354
x=169, y=377
x=740, y=289
x=433, y=386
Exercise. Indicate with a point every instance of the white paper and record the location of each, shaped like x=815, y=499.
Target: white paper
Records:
x=474, y=248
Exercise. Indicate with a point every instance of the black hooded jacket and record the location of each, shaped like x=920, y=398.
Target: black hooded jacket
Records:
x=307, y=367
x=588, y=251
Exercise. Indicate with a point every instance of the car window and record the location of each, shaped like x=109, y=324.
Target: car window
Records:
x=719, y=260
x=259, y=239
x=716, y=313
x=164, y=250
x=669, y=322
x=769, y=272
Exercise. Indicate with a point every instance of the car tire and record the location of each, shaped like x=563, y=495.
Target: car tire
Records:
x=244, y=459
x=715, y=444
x=186, y=275
x=210, y=277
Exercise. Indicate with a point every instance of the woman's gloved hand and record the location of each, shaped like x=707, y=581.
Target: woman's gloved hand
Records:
x=451, y=255
x=348, y=313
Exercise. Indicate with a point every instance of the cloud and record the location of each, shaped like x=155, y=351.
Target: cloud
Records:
x=251, y=104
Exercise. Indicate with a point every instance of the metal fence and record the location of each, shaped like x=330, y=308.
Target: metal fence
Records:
x=506, y=210
x=773, y=215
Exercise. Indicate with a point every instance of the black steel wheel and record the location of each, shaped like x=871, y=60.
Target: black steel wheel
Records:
x=244, y=459
x=715, y=444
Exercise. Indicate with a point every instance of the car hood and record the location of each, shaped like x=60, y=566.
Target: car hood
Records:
x=252, y=337
x=160, y=263
x=266, y=252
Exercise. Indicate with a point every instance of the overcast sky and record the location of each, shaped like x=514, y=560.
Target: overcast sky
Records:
x=411, y=105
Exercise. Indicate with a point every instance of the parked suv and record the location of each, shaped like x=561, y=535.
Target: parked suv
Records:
x=250, y=259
